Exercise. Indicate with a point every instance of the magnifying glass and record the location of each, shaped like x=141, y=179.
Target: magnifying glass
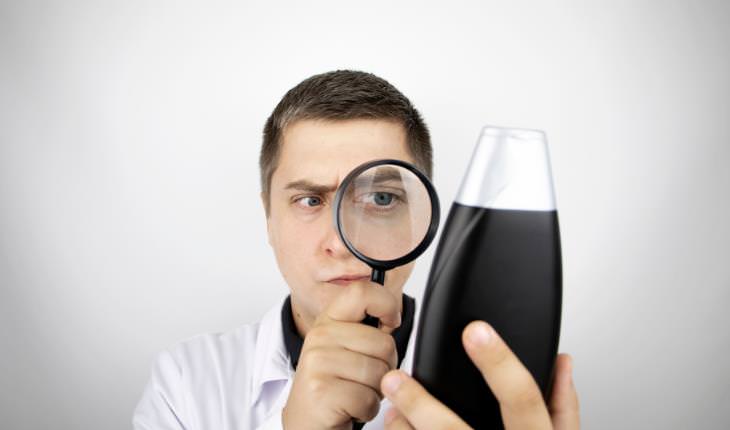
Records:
x=387, y=213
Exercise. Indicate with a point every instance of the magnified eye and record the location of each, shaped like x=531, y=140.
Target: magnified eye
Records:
x=382, y=199
x=379, y=200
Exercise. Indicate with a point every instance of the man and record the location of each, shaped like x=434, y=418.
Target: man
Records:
x=310, y=363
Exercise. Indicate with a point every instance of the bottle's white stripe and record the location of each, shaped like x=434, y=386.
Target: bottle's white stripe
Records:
x=509, y=169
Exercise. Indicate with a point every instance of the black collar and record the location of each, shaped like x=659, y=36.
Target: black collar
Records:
x=294, y=341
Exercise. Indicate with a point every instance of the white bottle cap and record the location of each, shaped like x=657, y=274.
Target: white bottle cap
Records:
x=510, y=169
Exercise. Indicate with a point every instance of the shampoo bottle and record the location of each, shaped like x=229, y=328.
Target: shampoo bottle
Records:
x=498, y=260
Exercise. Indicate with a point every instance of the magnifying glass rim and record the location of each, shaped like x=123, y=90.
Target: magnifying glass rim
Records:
x=427, y=239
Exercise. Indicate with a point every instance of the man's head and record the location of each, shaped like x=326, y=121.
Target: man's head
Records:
x=322, y=129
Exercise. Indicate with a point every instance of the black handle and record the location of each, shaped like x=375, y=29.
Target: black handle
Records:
x=377, y=276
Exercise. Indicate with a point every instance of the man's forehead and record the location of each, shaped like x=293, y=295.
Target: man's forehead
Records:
x=324, y=152
x=367, y=134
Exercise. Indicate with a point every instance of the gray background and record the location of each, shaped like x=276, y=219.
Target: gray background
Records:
x=130, y=218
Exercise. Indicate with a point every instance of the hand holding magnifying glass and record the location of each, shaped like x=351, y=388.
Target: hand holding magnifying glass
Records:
x=386, y=213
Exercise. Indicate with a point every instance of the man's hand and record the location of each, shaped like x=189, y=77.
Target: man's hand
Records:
x=343, y=361
x=519, y=397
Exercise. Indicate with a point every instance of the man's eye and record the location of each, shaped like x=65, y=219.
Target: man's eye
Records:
x=382, y=199
x=378, y=199
x=309, y=201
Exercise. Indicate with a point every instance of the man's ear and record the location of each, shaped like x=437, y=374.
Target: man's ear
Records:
x=267, y=210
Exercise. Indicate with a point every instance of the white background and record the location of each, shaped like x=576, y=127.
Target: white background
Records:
x=129, y=209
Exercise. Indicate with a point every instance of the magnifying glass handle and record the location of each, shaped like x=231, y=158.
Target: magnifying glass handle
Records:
x=377, y=276
x=371, y=321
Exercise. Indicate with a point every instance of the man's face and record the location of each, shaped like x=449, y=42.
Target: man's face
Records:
x=314, y=158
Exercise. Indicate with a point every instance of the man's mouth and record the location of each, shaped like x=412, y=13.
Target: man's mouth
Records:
x=348, y=279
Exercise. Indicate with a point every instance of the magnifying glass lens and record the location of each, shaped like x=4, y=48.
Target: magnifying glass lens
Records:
x=385, y=212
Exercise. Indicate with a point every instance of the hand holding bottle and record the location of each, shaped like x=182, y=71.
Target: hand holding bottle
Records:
x=520, y=400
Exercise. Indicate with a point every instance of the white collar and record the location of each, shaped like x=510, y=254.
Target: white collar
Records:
x=271, y=359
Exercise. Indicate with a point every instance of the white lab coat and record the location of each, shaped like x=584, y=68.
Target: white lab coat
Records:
x=235, y=380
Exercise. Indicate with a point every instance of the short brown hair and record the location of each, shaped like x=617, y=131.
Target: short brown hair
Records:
x=342, y=95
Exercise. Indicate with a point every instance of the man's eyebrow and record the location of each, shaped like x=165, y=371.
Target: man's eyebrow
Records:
x=382, y=174
x=309, y=186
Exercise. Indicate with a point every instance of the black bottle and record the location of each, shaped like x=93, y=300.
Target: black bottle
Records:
x=498, y=260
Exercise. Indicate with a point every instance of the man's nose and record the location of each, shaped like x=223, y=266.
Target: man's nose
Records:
x=332, y=244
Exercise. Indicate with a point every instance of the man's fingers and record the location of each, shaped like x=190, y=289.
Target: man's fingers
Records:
x=564, y=409
x=366, y=298
x=355, y=337
x=355, y=400
x=347, y=365
x=416, y=405
x=394, y=420
x=519, y=397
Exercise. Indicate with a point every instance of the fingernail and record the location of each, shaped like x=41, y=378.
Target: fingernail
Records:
x=391, y=382
x=479, y=334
